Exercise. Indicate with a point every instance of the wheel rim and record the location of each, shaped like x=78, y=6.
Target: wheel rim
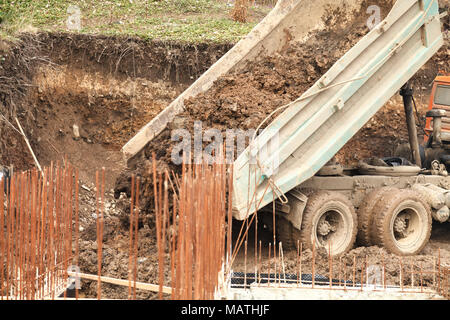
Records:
x=407, y=226
x=331, y=229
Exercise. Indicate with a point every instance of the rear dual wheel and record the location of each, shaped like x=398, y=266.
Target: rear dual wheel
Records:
x=329, y=221
x=365, y=214
x=396, y=219
x=401, y=222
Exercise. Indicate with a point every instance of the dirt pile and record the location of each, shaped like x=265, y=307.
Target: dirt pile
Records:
x=242, y=100
x=116, y=244
x=357, y=260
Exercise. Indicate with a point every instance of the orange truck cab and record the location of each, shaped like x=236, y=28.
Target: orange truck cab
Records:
x=440, y=99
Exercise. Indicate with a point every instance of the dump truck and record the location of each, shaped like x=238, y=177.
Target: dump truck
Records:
x=389, y=202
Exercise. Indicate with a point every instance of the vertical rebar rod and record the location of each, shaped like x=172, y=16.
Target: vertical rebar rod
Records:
x=434, y=272
x=77, y=228
x=401, y=274
x=270, y=264
x=345, y=276
x=301, y=262
x=22, y=233
x=130, y=249
x=275, y=261
x=70, y=222
x=245, y=263
x=173, y=247
x=421, y=278
x=313, y=263
x=330, y=264
x=230, y=217
x=50, y=251
x=32, y=270
x=66, y=222
x=282, y=262
x=439, y=269
x=164, y=214
x=99, y=236
x=57, y=230
x=2, y=241
x=298, y=262
x=9, y=221
x=259, y=263
x=136, y=235
x=44, y=229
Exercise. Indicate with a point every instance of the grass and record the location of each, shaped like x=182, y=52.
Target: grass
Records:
x=177, y=20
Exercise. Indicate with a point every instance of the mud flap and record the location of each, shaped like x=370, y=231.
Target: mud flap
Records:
x=297, y=204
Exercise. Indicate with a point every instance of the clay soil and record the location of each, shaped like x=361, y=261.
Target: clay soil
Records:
x=110, y=87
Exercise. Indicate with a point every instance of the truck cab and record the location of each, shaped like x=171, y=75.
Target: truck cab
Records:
x=439, y=99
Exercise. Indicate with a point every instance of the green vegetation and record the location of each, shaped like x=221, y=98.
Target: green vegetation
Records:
x=178, y=20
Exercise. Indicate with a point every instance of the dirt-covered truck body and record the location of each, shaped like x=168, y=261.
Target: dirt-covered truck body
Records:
x=312, y=129
x=388, y=202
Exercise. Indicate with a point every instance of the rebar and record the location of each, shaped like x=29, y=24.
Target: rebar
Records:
x=36, y=216
x=198, y=249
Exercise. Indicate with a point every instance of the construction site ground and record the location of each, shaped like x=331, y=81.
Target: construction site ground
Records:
x=110, y=86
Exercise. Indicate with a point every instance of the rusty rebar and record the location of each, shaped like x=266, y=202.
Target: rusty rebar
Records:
x=136, y=240
x=313, y=263
x=77, y=228
x=401, y=274
x=130, y=249
x=99, y=212
x=354, y=271
x=245, y=263
x=330, y=264
x=270, y=265
x=259, y=263
x=35, y=233
x=2, y=241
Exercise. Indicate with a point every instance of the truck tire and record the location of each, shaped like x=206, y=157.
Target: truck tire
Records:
x=329, y=217
x=287, y=234
x=365, y=214
x=402, y=222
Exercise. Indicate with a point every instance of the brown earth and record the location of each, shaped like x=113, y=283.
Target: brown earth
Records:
x=110, y=86
x=242, y=100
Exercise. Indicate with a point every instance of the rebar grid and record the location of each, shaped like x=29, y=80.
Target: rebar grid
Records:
x=197, y=245
x=36, y=232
